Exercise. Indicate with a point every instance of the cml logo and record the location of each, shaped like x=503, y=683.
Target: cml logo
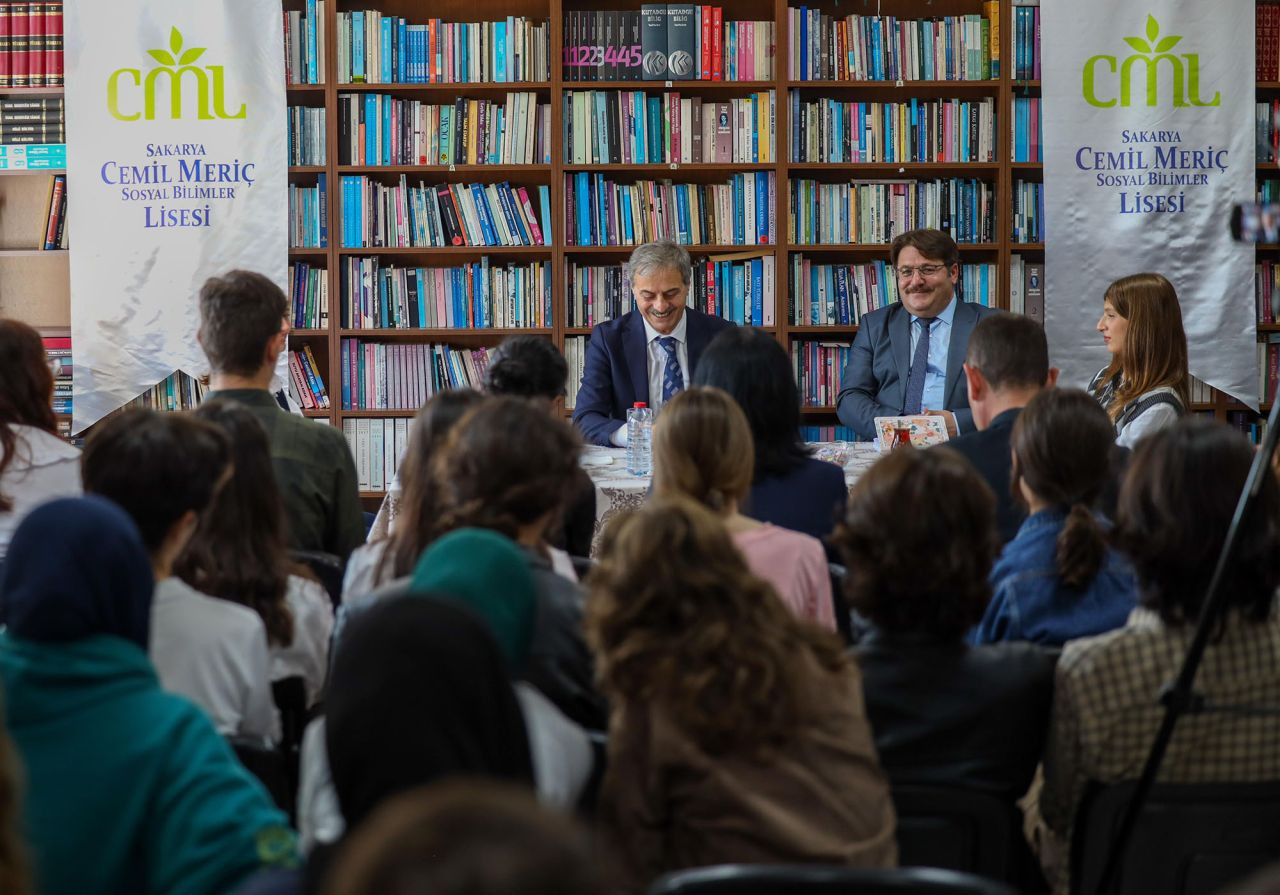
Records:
x=177, y=73
x=1152, y=58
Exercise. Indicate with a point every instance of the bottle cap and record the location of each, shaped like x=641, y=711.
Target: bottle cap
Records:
x=640, y=404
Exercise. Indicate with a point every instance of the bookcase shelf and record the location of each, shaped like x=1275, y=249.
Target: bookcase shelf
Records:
x=24, y=253
x=306, y=88
x=452, y=89
x=672, y=168
x=32, y=172
x=692, y=249
x=880, y=249
x=307, y=169
x=447, y=171
x=387, y=334
x=680, y=86
x=915, y=169
x=31, y=91
x=532, y=251
x=983, y=86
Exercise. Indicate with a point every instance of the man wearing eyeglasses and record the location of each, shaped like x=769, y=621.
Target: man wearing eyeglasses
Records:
x=906, y=359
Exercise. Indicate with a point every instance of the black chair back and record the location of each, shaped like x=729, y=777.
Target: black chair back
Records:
x=327, y=568
x=821, y=879
x=843, y=623
x=1190, y=838
x=268, y=765
x=958, y=829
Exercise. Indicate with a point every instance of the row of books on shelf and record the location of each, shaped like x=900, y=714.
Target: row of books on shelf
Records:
x=1026, y=40
x=479, y=295
x=33, y=157
x=915, y=130
x=819, y=369
x=177, y=392
x=53, y=235
x=305, y=381
x=738, y=287
x=826, y=434
x=602, y=212
x=378, y=376
x=1028, y=211
x=309, y=296
x=31, y=43
x=306, y=135
x=304, y=33
x=873, y=212
x=376, y=129
x=57, y=350
x=575, y=353
x=1250, y=424
x=1026, y=287
x=666, y=42
x=611, y=127
x=377, y=444
x=439, y=215
x=1028, y=140
x=885, y=48
x=374, y=48
x=1201, y=392
x=1266, y=279
x=1269, y=367
x=1267, y=130
x=28, y=120
x=1266, y=36
x=826, y=294
x=309, y=215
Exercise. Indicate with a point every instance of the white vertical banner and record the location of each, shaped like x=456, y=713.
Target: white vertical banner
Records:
x=1149, y=139
x=176, y=170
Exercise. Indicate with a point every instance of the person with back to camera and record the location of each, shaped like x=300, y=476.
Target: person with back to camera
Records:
x=906, y=358
x=648, y=354
x=1146, y=386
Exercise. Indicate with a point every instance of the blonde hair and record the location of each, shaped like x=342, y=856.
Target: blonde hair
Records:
x=702, y=449
x=1155, y=345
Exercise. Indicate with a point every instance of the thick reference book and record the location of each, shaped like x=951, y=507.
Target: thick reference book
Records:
x=653, y=40
x=681, y=40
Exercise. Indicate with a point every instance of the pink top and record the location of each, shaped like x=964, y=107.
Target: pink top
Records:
x=796, y=565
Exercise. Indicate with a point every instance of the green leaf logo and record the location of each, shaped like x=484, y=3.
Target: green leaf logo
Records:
x=174, y=55
x=1152, y=45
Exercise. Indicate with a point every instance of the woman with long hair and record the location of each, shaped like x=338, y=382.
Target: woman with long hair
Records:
x=1058, y=579
x=1146, y=386
x=35, y=464
x=737, y=732
x=240, y=552
x=702, y=449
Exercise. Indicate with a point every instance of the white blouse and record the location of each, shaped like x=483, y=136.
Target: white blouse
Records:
x=43, y=467
x=308, y=656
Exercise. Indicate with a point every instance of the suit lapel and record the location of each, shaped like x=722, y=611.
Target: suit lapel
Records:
x=900, y=342
x=961, y=328
x=637, y=354
x=697, y=337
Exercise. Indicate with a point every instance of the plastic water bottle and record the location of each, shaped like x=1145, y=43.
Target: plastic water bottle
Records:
x=639, y=438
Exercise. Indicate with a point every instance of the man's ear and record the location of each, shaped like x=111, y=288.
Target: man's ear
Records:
x=1052, y=379
x=976, y=383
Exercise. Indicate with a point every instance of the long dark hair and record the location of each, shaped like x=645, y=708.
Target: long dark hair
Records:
x=26, y=390
x=1061, y=446
x=753, y=368
x=241, y=550
x=1155, y=347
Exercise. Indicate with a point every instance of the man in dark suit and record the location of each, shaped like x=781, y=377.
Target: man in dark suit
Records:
x=1007, y=363
x=906, y=358
x=648, y=354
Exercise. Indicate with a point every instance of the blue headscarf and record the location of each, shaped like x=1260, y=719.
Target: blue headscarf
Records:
x=77, y=567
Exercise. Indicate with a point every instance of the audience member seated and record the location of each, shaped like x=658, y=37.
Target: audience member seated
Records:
x=1146, y=387
x=386, y=559
x=35, y=464
x=702, y=450
x=15, y=859
x=1176, y=504
x=165, y=470
x=906, y=357
x=1058, y=580
x=243, y=327
x=648, y=354
x=737, y=731
x=468, y=838
x=127, y=788
x=240, y=553
x=419, y=693
x=1007, y=364
x=918, y=539
x=789, y=487
x=533, y=368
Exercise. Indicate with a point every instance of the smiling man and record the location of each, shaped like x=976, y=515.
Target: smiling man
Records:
x=647, y=354
x=906, y=359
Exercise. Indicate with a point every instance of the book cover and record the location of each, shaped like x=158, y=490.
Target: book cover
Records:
x=909, y=431
x=680, y=41
x=1033, y=292
x=653, y=40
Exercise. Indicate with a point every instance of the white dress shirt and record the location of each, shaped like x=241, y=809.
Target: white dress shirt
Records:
x=657, y=362
x=308, y=656
x=43, y=467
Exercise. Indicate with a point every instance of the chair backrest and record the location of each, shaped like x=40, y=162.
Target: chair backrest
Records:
x=821, y=879
x=841, y=608
x=268, y=765
x=581, y=565
x=327, y=568
x=1190, y=838
x=958, y=829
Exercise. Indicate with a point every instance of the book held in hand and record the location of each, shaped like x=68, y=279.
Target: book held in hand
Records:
x=909, y=431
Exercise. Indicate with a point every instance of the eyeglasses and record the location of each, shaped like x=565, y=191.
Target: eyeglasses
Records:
x=925, y=270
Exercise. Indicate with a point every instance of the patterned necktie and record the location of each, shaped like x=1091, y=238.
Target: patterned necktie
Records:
x=672, y=378
x=915, y=379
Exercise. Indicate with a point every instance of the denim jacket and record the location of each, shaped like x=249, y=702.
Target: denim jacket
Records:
x=1031, y=603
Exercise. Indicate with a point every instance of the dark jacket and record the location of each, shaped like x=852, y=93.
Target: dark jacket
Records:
x=988, y=451
x=807, y=499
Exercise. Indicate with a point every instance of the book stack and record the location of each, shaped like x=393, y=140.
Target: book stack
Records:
x=306, y=135
x=919, y=130
x=1028, y=211
x=575, y=352
x=304, y=44
x=1266, y=37
x=178, y=392
x=1268, y=134
x=666, y=42
x=34, y=121
x=31, y=43
x=309, y=296
x=612, y=127
x=1266, y=291
x=826, y=434
x=1268, y=367
x=1026, y=287
x=375, y=129
x=1026, y=40
x=308, y=215
x=885, y=48
x=375, y=215
x=602, y=212
x=53, y=233
x=819, y=368
x=376, y=446
x=33, y=157
x=404, y=377
x=873, y=212
x=305, y=381
x=57, y=349
x=475, y=295
x=382, y=49
x=1027, y=139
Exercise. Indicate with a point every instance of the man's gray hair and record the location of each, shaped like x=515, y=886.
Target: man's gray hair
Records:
x=662, y=255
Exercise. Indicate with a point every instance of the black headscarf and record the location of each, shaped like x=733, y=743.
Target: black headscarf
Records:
x=419, y=692
x=77, y=567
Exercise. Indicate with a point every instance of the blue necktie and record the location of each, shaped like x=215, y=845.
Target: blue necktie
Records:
x=672, y=378
x=915, y=379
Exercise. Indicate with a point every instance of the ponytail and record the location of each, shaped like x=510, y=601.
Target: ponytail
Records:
x=1081, y=548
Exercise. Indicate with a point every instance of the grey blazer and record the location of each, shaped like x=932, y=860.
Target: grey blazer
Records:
x=875, y=378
